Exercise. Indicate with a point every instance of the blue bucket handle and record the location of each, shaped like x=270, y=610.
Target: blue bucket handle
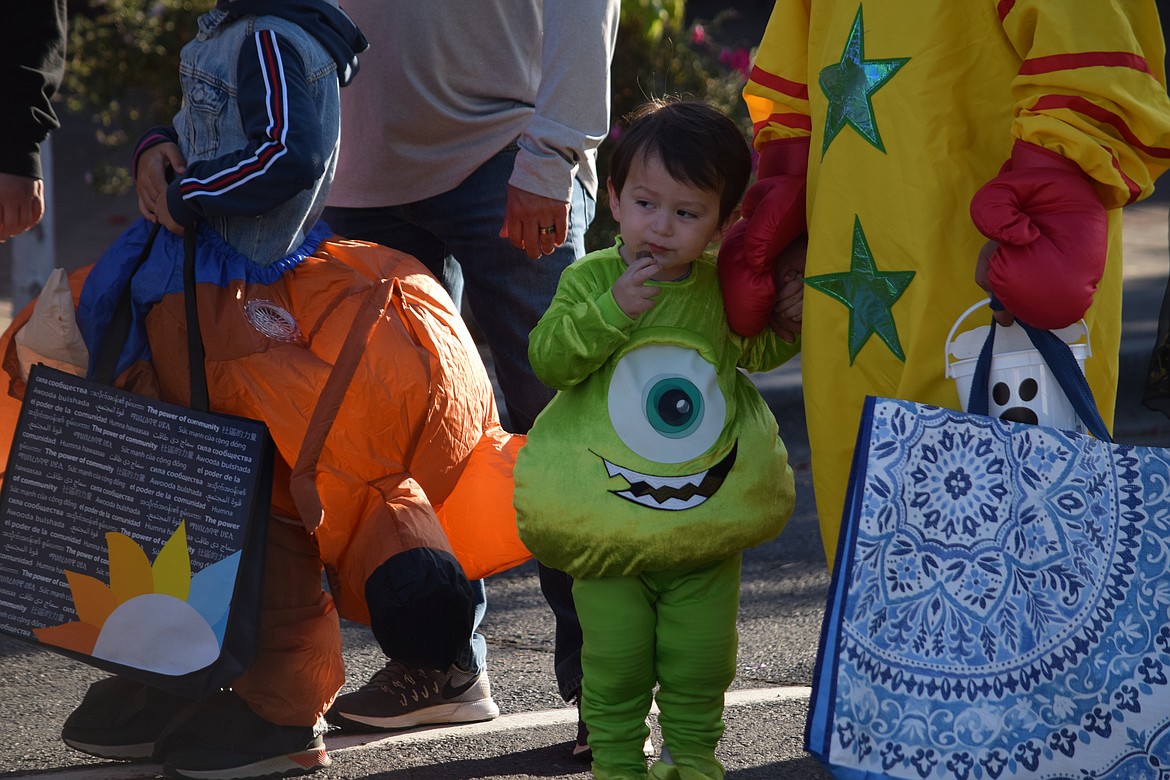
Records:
x=1061, y=363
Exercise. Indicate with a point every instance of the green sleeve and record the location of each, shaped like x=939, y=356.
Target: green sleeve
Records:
x=580, y=330
x=766, y=351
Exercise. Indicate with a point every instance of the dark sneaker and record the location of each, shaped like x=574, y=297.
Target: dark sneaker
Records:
x=220, y=738
x=398, y=697
x=120, y=719
x=581, y=750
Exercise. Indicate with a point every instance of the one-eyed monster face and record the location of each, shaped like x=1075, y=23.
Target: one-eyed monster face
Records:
x=666, y=405
x=657, y=461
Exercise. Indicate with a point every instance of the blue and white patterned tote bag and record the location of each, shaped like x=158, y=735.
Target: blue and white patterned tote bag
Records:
x=1000, y=607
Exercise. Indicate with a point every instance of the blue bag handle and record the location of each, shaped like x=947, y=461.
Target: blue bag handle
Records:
x=1060, y=361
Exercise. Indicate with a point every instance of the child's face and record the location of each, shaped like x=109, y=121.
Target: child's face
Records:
x=672, y=220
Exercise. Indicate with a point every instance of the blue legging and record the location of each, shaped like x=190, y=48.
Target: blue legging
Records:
x=677, y=629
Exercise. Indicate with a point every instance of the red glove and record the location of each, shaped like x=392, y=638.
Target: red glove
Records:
x=1052, y=234
x=774, y=214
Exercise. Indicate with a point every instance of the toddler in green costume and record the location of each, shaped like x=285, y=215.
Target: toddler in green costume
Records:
x=657, y=463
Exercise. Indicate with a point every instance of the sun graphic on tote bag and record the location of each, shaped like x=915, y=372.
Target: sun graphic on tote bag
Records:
x=154, y=617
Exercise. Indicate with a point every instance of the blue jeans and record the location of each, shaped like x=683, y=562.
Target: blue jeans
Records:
x=456, y=235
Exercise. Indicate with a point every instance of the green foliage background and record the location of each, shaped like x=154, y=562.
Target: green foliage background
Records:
x=124, y=60
x=123, y=68
x=658, y=55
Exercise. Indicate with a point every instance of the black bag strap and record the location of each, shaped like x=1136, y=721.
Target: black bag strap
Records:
x=200, y=401
x=110, y=349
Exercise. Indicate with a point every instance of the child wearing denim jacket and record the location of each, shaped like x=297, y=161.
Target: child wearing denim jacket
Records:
x=352, y=355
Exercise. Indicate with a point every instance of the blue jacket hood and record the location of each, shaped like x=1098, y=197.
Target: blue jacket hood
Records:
x=331, y=26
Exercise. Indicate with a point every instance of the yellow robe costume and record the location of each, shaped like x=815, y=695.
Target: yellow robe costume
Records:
x=911, y=108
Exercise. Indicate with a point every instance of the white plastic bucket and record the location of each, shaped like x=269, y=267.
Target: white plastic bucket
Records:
x=1021, y=387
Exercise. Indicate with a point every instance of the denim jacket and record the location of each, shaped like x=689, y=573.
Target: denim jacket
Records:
x=262, y=192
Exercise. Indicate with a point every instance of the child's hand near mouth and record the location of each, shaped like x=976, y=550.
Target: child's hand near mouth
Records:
x=631, y=292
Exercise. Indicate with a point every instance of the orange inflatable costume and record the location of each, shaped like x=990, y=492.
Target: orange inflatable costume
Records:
x=393, y=474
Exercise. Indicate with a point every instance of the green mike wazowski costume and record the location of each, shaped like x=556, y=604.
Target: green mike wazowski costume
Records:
x=651, y=470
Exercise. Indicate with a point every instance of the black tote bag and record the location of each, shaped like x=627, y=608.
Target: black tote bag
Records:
x=133, y=531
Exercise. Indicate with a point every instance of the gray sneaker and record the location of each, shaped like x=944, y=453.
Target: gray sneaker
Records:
x=399, y=697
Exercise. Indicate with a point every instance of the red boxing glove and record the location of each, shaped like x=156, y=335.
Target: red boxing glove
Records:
x=773, y=215
x=1052, y=232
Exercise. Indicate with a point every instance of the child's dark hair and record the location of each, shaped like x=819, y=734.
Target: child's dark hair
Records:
x=697, y=144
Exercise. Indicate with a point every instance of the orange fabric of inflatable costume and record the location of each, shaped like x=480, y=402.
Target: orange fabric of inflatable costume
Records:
x=381, y=410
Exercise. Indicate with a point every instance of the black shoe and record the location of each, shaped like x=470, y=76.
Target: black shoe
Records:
x=121, y=719
x=581, y=749
x=220, y=738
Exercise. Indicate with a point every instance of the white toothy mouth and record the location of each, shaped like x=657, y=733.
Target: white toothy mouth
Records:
x=672, y=493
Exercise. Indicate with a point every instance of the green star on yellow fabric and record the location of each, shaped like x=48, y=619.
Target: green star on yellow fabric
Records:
x=868, y=293
x=849, y=85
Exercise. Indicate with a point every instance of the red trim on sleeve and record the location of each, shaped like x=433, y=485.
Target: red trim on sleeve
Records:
x=1135, y=191
x=778, y=84
x=1095, y=112
x=152, y=138
x=1005, y=7
x=277, y=130
x=1088, y=59
x=795, y=121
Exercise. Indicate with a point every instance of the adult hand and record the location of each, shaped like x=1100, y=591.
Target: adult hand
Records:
x=788, y=313
x=22, y=204
x=527, y=219
x=982, y=266
x=154, y=170
x=633, y=295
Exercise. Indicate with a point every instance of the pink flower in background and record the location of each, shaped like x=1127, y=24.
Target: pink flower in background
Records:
x=698, y=35
x=737, y=59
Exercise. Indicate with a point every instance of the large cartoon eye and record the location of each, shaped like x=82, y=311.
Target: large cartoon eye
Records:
x=674, y=406
x=665, y=403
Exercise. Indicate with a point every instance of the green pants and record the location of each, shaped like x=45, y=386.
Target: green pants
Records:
x=675, y=628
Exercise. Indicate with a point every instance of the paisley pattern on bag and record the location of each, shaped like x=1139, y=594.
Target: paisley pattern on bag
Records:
x=1005, y=607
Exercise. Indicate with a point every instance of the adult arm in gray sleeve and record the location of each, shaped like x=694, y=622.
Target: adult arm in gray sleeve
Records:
x=572, y=104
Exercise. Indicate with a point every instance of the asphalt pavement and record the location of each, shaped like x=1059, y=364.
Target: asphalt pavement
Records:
x=784, y=586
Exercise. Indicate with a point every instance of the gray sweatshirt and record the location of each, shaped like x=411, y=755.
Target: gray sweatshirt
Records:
x=447, y=84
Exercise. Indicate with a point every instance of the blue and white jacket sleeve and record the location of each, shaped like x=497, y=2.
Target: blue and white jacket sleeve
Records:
x=283, y=154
